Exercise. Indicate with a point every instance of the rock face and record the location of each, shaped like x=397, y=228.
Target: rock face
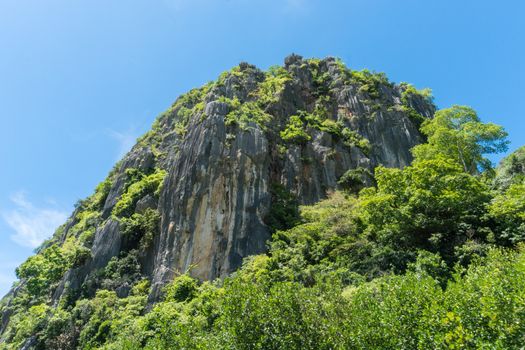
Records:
x=223, y=148
x=216, y=195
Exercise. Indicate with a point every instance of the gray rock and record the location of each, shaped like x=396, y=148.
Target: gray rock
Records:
x=217, y=108
x=148, y=202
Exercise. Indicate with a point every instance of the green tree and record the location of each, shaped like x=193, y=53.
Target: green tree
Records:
x=508, y=210
x=430, y=205
x=457, y=133
x=42, y=270
x=511, y=169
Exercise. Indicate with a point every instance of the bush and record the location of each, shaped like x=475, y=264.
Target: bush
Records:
x=183, y=288
x=150, y=184
x=242, y=114
x=370, y=82
x=42, y=270
x=295, y=131
x=141, y=227
x=508, y=211
x=352, y=139
x=273, y=84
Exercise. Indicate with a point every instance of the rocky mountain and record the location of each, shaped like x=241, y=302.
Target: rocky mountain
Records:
x=225, y=166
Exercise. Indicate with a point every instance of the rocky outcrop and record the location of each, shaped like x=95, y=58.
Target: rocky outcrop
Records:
x=223, y=147
x=216, y=195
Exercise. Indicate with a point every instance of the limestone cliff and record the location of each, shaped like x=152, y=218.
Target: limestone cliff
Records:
x=206, y=186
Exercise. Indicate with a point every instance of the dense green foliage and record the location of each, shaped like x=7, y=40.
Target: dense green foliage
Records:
x=508, y=211
x=42, y=270
x=370, y=82
x=480, y=307
x=295, y=131
x=511, y=170
x=273, y=85
x=354, y=180
x=300, y=126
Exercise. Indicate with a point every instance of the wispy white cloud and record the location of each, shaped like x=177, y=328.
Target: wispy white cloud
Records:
x=125, y=140
x=31, y=224
x=7, y=275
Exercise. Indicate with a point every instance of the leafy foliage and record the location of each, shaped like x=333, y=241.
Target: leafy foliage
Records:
x=148, y=184
x=273, y=85
x=409, y=99
x=431, y=205
x=295, y=131
x=370, y=82
x=242, y=114
x=182, y=288
x=480, y=307
x=508, y=210
x=141, y=227
x=458, y=134
x=42, y=270
x=511, y=169
x=354, y=180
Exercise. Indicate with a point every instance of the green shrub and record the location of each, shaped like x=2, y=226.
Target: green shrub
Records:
x=273, y=84
x=244, y=113
x=105, y=316
x=150, y=184
x=352, y=139
x=295, y=131
x=511, y=169
x=141, y=227
x=79, y=256
x=409, y=91
x=370, y=82
x=98, y=199
x=183, y=288
x=27, y=325
x=42, y=270
x=84, y=229
x=124, y=269
x=508, y=211
x=408, y=95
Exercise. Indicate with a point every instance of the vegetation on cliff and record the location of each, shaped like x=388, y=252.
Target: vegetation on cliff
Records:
x=427, y=256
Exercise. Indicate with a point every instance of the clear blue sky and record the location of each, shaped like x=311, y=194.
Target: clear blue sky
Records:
x=80, y=80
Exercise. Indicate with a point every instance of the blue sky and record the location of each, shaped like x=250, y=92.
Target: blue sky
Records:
x=80, y=80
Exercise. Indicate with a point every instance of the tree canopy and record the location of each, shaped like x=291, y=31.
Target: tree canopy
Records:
x=457, y=133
